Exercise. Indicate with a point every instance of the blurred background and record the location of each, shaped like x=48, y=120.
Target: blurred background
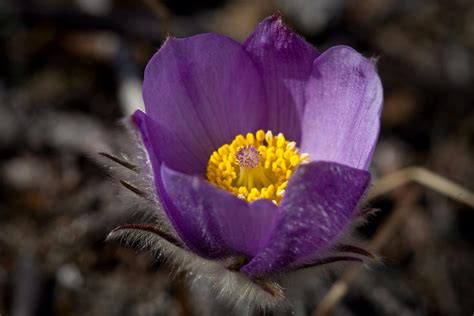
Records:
x=70, y=70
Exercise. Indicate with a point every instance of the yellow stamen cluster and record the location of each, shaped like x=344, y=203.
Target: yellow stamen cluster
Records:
x=255, y=166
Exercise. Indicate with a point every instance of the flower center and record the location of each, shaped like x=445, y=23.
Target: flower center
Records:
x=255, y=166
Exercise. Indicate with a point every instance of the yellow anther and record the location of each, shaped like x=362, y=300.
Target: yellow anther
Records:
x=280, y=193
x=291, y=146
x=260, y=135
x=281, y=141
x=223, y=151
x=295, y=160
x=279, y=152
x=304, y=157
x=250, y=138
x=255, y=166
x=214, y=160
x=240, y=139
x=269, y=137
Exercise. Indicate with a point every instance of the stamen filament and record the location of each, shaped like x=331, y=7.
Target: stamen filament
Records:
x=253, y=177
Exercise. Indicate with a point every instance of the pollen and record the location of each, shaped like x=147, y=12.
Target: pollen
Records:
x=255, y=166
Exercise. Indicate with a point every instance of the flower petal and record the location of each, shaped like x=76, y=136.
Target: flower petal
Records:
x=319, y=202
x=342, y=113
x=201, y=91
x=145, y=127
x=285, y=61
x=212, y=222
x=161, y=143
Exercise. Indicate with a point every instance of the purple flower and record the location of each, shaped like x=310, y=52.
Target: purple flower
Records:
x=259, y=151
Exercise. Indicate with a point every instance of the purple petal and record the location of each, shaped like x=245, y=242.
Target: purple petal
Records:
x=285, y=61
x=212, y=222
x=161, y=143
x=319, y=202
x=201, y=92
x=342, y=113
x=145, y=127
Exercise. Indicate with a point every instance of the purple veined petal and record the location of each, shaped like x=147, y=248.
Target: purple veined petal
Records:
x=145, y=127
x=212, y=222
x=319, y=203
x=285, y=61
x=155, y=137
x=341, y=121
x=201, y=91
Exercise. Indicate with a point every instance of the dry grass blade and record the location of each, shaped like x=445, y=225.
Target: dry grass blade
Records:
x=426, y=178
x=340, y=287
x=384, y=185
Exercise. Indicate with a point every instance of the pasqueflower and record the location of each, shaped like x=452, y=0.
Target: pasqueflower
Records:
x=257, y=153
